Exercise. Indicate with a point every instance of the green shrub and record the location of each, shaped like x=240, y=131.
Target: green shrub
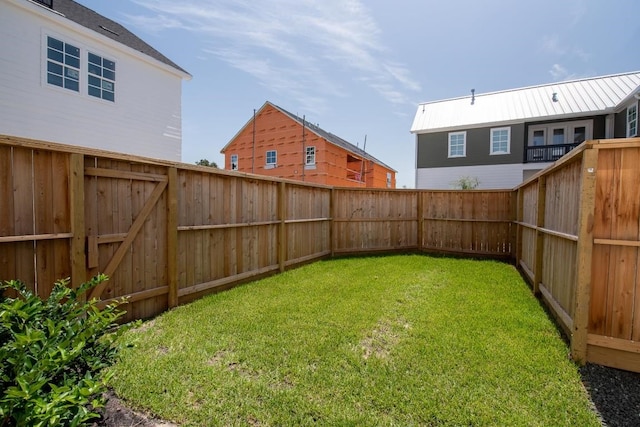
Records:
x=52, y=354
x=466, y=183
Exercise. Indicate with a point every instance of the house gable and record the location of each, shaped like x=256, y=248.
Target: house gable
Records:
x=89, y=19
x=143, y=115
x=292, y=142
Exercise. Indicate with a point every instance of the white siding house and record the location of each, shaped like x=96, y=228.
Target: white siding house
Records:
x=502, y=138
x=72, y=76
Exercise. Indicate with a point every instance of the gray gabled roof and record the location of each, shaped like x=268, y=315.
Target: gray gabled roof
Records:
x=94, y=21
x=576, y=98
x=333, y=139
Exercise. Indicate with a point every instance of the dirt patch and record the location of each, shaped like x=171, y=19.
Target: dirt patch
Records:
x=218, y=358
x=145, y=326
x=383, y=338
x=117, y=414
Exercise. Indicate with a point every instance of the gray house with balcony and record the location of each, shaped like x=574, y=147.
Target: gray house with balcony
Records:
x=503, y=138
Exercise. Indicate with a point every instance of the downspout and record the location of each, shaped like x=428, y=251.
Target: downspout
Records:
x=415, y=181
x=363, y=166
x=304, y=148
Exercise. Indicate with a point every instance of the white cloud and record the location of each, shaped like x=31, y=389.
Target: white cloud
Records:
x=403, y=76
x=558, y=72
x=290, y=46
x=551, y=44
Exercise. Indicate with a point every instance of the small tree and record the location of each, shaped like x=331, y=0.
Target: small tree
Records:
x=205, y=162
x=467, y=183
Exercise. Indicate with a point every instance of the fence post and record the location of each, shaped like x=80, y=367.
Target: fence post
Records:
x=519, y=219
x=584, y=255
x=420, y=214
x=513, y=227
x=332, y=213
x=172, y=236
x=282, y=232
x=76, y=200
x=542, y=200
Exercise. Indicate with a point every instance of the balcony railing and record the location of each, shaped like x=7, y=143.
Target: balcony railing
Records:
x=547, y=153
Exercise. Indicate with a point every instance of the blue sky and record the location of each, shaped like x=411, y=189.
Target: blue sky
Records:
x=360, y=68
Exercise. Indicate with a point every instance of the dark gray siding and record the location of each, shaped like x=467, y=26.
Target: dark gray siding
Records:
x=620, y=127
x=432, y=150
x=600, y=127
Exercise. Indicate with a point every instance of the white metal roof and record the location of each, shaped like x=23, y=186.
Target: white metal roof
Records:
x=596, y=95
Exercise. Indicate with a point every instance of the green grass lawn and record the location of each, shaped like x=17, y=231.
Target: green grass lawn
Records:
x=397, y=340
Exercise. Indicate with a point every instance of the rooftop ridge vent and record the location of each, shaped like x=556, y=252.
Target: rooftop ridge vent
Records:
x=108, y=30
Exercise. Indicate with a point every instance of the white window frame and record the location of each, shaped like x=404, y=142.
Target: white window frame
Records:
x=310, y=156
x=271, y=164
x=464, y=144
x=632, y=123
x=234, y=162
x=69, y=72
x=389, y=179
x=492, y=150
x=104, y=73
x=82, y=70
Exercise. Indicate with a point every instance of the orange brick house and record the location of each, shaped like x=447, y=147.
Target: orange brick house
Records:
x=280, y=144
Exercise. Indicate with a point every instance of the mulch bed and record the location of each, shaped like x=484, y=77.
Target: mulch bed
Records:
x=615, y=394
x=117, y=414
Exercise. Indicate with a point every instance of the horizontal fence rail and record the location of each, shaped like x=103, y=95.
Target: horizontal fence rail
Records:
x=166, y=233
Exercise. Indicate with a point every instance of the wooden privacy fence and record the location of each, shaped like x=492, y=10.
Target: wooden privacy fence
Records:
x=462, y=222
x=166, y=233
x=578, y=243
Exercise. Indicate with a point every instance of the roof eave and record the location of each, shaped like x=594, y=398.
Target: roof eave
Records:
x=623, y=104
x=362, y=154
x=244, y=127
x=514, y=122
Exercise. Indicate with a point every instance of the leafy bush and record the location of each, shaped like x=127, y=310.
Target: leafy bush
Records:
x=53, y=353
x=466, y=183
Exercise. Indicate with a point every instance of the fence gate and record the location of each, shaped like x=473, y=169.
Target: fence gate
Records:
x=125, y=213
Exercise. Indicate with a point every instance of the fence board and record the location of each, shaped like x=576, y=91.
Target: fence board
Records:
x=7, y=218
x=23, y=215
x=616, y=218
x=602, y=228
